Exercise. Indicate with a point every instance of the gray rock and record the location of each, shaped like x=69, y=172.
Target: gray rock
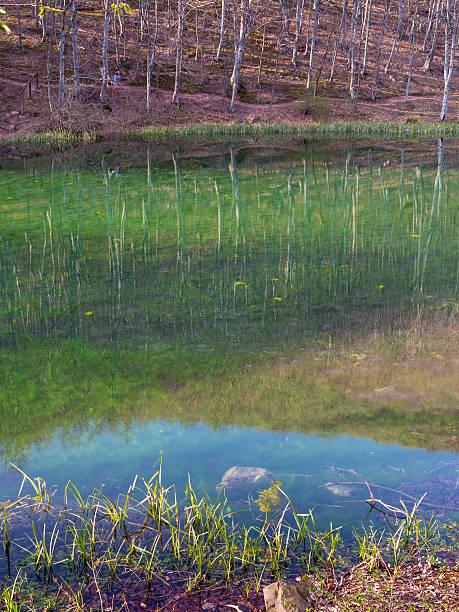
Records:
x=285, y=596
x=243, y=476
x=340, y=490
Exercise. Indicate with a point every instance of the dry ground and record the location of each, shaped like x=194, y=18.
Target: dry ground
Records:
x=202, y=98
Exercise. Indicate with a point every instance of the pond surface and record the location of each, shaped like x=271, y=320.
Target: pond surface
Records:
x=285, y=307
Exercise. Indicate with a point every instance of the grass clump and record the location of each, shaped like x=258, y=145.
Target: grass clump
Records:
x=151, y=533
x=221, y=132
x=340, y=129
x=52, y=138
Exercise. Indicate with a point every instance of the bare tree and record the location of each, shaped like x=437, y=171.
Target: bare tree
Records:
x=61, y=94
x=401, y=12
x=368, y=7
x=105, y=71
x=76, y=63
x=181, y=6
x=242, y=14
x=341, y=30
x=222, y=30
x=438, y=22
x=19, y=29
x=151, y=55
x=355, y=17
x=433, y=8
x=313, y=42
x=450, y=50
x=378, y=60
x=299, y=13
x=413, y=43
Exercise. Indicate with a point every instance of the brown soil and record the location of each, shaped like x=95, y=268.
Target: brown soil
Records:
x=416, y=587
x=201, y=99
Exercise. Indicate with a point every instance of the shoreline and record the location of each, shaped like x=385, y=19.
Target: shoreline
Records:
x=215, y=132
x=151, y=549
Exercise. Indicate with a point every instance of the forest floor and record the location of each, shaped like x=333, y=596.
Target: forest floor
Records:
x=125, y=107
x=416, y=587
x=202, y=96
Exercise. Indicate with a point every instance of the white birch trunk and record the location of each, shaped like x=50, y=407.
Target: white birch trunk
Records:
x=76, y=62
x=61, y=95
x=179, y=51
x=450, y=50
x=313, y=42
x=151, y=57
x=242, y=15
x=299, y=25
x=413, y=43
x=222, y=30
x=105, y=72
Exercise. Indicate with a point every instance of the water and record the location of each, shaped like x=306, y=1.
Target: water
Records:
x=287, y=307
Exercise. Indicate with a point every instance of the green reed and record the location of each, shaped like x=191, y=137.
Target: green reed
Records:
x=55, y=138
x=230, y=131
x=340, y=129
x=150, y=532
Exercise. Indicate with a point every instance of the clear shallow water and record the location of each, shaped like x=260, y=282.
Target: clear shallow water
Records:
x=140, y=292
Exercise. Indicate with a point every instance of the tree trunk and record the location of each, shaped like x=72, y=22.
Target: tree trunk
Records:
x=429, y=58
x=37, y=16
x=276, y=69
x=179, y=51
x=365, y=53
x=117, y=38
x=261, y=57
x=313, y=42
x=19, y=30
x=61, y=94
x=355, y=17
x=222, y=30
x=48, y=76
x=413, y=43
x=151, y=58
x=401, y=13
x=430, y=19
x=338, y=43
x=298, y=27
x=105, y=72
x=344, y=24
x=76, y=62
x=242, y=16
x=378, y=61
x=450, y=50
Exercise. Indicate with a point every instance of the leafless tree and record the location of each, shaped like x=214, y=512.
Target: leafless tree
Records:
x=242, y=15
x=313, y=41
x=105, y=69
x=401, y=13
x=151, y=55
x=355, y=17
x=222, y=30
x=76, y=62
x=299, y=13
x=433, y=47
x=62, y=41
x=181, y=6
x=412, y=50
x=378, y=60
x=450, y=50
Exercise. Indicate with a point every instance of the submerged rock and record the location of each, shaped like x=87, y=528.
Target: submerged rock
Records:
x=237, y=476
x=340, y=490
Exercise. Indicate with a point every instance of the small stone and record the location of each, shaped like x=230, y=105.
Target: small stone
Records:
x=14, y=112
x=143, y=605
x=208, y=605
